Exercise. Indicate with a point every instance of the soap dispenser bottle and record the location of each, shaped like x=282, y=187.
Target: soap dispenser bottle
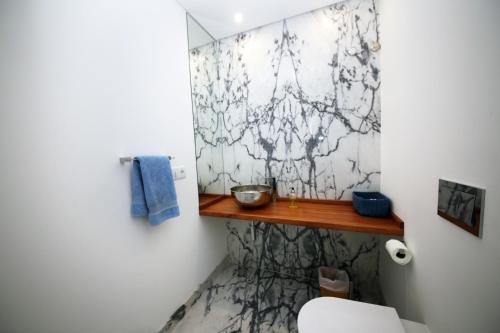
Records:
x=292, y=197
x=271, y=181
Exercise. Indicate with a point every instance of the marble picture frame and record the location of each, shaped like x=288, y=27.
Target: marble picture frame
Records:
x=462, y=205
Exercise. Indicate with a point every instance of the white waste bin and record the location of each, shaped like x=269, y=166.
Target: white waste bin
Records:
x=334, y=282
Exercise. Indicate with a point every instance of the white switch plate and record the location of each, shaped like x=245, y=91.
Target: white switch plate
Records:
x=179, y=172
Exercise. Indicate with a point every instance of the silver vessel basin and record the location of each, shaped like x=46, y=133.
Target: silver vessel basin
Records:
x=252, y=195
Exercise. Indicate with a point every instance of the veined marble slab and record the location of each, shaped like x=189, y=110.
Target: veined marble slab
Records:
x=298, y=100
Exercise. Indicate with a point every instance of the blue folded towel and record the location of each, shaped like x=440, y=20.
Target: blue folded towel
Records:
x=153, y=189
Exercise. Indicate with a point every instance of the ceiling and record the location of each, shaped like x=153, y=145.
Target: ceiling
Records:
x=218, y=16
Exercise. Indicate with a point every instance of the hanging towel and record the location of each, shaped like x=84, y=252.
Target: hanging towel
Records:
x=153, y=189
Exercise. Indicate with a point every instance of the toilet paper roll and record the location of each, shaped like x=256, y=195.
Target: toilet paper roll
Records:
x=398, y=252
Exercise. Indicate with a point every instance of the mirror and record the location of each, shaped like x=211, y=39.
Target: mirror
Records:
x=203, y=58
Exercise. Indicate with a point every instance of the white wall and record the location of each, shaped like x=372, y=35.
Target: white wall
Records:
x=440, y=118
x=81, y=83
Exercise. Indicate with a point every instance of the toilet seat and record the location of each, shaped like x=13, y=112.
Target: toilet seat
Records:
x=331, y=314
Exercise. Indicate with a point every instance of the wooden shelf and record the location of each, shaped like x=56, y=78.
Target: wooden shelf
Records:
x=207, y=199
x=326, y=214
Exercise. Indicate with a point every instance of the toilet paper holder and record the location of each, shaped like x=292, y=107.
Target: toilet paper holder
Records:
x=398, y=252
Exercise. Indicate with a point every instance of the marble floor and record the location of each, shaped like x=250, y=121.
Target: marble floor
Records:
x=235, y=299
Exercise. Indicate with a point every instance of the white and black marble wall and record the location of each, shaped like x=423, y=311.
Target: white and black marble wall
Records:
x=298, y=252
x=298, y=100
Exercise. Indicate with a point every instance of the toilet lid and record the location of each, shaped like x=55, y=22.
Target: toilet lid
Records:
x=331, y=314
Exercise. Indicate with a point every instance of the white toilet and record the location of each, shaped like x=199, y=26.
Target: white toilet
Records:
x=331, y=314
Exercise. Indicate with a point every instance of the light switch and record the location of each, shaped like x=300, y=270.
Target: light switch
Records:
x=179, y=172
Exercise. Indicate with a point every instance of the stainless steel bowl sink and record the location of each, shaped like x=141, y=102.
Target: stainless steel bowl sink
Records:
x=252, y=196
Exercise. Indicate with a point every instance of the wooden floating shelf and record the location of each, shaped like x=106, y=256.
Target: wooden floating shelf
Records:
x=325, y=214
x=207, y=199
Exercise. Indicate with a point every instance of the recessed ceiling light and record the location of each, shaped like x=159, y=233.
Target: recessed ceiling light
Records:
x=238, y=17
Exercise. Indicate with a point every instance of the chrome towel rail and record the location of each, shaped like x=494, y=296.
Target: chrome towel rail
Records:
x=126, y=159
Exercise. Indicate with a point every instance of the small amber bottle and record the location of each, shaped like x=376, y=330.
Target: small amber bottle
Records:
x=292, y=196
